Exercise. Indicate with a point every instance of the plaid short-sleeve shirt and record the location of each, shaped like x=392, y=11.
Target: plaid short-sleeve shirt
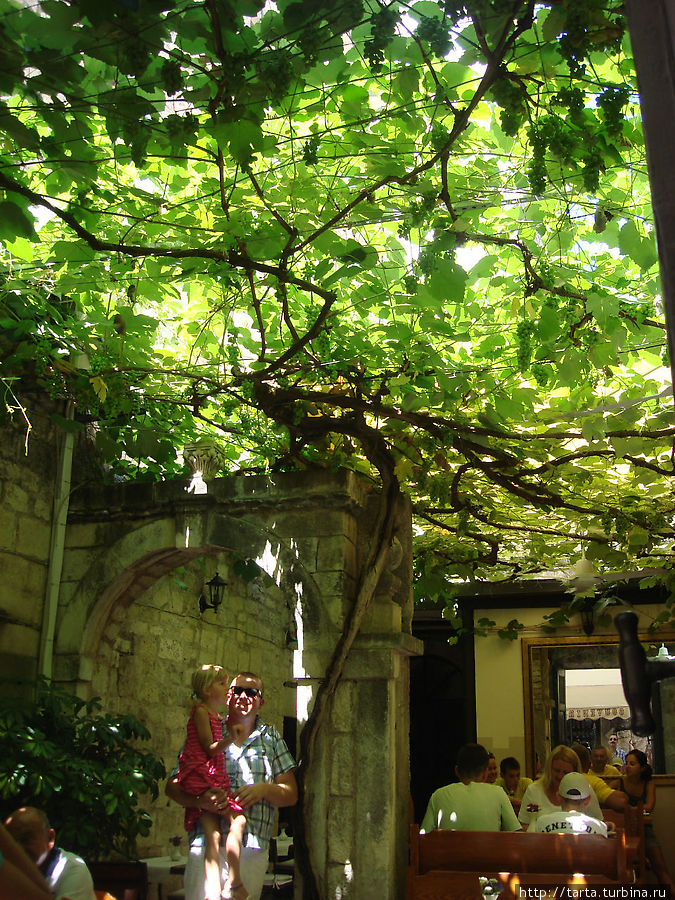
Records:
x=262, y=758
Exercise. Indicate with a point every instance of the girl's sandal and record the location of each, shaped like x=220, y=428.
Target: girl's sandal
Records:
x=239, y=892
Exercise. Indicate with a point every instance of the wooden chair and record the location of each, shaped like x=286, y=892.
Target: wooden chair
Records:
x=122, y=880
x=631, y=819
x=447, y=865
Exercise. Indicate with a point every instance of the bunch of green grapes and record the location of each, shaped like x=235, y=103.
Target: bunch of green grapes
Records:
x=587, y=29
x=138, y=147
x=542, y=374
x=310, y=43
x=439, y=136
x=637, y=311
x=134, y=57
x=593, y=166
x=572, y=99
x=590, y=337
x=435, y=34
x=510, y=98
x=410, y=284
x=247, y=391
x=426, y=261
x=310, y=150
x=276, y=73
x=537, y=173
x=524, y=331
x=43, y=355
x=381, y=35
x=172, y=77
x=321, y=343
x=453, y=10
x=180, y=129
x=612, y=102
x=558, y=137
x=439, y=487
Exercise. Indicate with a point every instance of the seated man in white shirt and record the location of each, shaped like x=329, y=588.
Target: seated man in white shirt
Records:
x=575, y=795
x=66, y=874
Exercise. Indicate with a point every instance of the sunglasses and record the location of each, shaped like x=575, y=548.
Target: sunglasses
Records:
x=250, y=692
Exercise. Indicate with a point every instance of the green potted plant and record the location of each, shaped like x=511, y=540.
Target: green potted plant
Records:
x=83, y=767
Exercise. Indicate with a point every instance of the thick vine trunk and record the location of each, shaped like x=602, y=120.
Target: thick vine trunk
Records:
x=371, y=573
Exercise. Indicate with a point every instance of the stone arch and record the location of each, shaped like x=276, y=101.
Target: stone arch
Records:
x=137, y=612
x=138, y=558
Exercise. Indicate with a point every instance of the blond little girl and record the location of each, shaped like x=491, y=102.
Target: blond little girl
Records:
x=202, y=766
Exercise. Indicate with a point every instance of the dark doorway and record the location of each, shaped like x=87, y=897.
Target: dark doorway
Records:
x=442, y=708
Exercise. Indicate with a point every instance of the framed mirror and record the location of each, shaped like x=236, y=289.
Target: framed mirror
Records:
x=572, y=692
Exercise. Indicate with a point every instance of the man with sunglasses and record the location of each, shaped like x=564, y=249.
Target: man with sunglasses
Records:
x=260, y=769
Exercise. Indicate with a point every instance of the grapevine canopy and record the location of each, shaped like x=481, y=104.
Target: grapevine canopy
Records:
x=407, y=238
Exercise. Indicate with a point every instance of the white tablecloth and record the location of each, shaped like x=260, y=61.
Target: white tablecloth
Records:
x=159, y=871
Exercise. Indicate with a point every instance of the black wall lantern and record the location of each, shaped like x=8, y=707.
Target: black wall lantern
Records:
x=215, y=586
x=587, y=612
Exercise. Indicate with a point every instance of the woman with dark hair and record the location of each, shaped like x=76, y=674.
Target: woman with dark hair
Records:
x=638, y=786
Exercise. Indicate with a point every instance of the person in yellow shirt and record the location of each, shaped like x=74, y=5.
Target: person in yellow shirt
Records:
x=510, y=780
x=600, y=763
x=606, y=795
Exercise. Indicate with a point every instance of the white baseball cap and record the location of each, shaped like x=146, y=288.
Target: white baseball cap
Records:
x=574, y=786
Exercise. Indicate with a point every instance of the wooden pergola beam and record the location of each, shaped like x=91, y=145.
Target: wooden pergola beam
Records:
x=652, y=30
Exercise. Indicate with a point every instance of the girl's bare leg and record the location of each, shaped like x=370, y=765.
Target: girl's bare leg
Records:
x=211, y=826
x=233, y=843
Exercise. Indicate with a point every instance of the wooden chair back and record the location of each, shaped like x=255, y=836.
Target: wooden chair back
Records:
x=439, y=859
x=631, y=819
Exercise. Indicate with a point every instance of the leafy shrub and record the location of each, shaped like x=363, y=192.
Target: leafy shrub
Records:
x=61, y=754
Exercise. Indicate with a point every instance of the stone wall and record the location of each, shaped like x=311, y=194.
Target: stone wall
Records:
x=27, y=476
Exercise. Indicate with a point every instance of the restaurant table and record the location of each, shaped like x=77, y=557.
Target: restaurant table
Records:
x=162, y=869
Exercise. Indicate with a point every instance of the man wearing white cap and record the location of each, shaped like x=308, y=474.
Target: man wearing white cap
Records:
x=575, y=794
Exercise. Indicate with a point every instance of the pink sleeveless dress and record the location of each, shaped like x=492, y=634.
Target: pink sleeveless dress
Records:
x=197, y=771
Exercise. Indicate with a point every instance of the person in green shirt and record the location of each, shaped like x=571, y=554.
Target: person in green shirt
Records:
x=470, y=804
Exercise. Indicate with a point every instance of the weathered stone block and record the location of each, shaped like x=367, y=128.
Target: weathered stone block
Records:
x=16, y=497
x=320, y=523
x=43, y=507
x=342, y=765
x=82, y=534
x=343, y=707
x=23, y=586
x=382, y=616
x=340, y=882
x=9, y=523
x=18, y=639
x=331, y=584
x=341, y=840
x=336, y=554
x=76, y=562
x=33, y=537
